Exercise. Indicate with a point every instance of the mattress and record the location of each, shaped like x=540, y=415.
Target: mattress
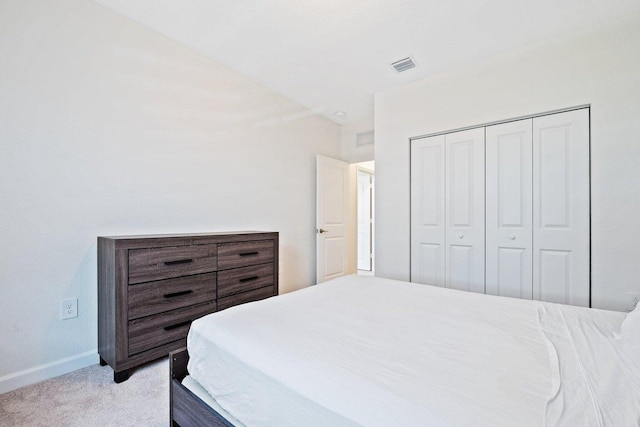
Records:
x=372, y=351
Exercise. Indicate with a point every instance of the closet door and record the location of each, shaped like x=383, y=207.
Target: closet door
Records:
x=427, y=210
x=509, y=215
x=464, y=207
x=447, y=210
x=561, y=214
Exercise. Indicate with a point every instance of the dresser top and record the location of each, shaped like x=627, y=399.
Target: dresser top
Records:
x=184, y=235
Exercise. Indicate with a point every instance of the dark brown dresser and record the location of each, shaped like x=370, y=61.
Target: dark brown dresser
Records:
x=150, y=288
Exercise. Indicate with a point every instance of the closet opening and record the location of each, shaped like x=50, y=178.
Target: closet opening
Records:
x=504, y=208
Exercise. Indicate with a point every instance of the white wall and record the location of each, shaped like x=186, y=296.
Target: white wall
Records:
x=108, y=128
x=599, y=66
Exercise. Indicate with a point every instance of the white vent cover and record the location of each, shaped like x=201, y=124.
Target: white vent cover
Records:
x=404, y=64
x=364, y=138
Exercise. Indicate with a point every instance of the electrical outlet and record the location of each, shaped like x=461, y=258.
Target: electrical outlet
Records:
x=69, y=308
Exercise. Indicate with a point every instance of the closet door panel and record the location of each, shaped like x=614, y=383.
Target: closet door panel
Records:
x=555, y=276
x=513, y=273
x=464, y=207
x=509, y=216
x=427, y=211
x=460, y=271
x=561, y=216
x=430, y=265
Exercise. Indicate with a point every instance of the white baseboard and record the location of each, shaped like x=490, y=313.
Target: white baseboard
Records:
x=49, y=370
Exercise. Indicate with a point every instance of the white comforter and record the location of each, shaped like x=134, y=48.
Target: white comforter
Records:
x=377, y=352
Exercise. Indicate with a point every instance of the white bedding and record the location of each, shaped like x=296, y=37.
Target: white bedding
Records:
x=377, y=352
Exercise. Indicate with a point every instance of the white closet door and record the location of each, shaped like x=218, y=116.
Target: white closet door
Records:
x=464, y=207
x=561, y=214
x=509, y=213
x=427, y=210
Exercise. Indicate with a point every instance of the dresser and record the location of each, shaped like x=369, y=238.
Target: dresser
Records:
x=151, y=287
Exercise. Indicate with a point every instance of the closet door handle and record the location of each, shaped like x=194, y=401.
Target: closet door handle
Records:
x=512, y=237
x=460, y=236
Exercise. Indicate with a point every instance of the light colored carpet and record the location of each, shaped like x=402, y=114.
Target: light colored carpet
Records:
x=89, y=397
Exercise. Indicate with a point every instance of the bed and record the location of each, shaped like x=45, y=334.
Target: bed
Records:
x=376, y=352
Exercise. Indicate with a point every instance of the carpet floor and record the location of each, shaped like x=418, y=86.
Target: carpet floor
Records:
x=89, y=397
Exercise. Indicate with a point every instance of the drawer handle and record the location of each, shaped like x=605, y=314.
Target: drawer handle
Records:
x=248, y=279
x=177, y=294
x=248, y=253
x=177, y=325
x=178, y=262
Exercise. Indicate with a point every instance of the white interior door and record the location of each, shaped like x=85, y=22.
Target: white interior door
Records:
x=509, y=215
x=365, y=220
x=561, y=267
x=331, y=218
x=428, y=211
x=464, y=206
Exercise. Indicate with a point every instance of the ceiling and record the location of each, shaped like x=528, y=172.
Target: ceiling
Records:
x=333, y=55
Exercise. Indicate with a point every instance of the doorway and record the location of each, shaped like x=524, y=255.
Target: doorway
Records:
x=344, y=218
x=365, y=217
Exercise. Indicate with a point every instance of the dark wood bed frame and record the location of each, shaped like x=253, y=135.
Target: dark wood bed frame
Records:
x=187, y=409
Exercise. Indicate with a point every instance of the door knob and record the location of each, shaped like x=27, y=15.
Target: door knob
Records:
x=460, y=236
x=512, y=237
x=320, y=230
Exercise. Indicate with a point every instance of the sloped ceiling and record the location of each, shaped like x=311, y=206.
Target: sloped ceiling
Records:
x=333, y=55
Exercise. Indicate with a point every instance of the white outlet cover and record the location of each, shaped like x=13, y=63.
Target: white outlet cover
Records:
x=69, y=308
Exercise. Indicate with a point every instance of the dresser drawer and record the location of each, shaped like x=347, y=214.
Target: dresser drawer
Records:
x=243, y=279
x=153, y=331
x=232, y=255
x=254, y=295
x=150, y=298
x=150, y=264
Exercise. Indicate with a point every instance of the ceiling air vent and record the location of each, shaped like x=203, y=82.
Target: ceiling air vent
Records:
x=364, y=138
x=404, y=64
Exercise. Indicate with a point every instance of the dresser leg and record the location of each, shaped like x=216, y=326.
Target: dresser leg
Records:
x=121, y=376
x=102, y=362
